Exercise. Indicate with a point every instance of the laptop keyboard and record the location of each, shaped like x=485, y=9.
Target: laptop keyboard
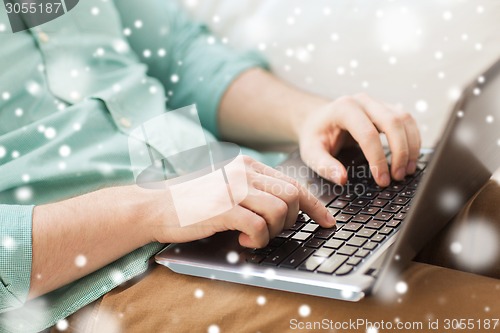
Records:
x=365, y=220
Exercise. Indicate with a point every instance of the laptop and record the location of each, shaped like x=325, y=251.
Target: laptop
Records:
x=379, y=230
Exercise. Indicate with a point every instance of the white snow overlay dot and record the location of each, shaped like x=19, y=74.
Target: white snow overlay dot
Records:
x=232, y=257
x=213, y=329
x=8, y=242
x=24, y=193
x=421, y=105
x=198, y=293
x=304, y=310
x=401, y=287
x=62, y=325
x=80, y=260
x=50, y=133
x=64, y=151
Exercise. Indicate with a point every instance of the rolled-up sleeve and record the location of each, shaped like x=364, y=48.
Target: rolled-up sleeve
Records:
x=193, y=65
x=15, y=255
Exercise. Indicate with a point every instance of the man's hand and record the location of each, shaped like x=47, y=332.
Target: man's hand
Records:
x=271, y=204
x=260, y=109
x=323, y=133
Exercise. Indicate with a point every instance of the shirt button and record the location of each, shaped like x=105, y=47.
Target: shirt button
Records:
x=125, y=122
x=44, y=38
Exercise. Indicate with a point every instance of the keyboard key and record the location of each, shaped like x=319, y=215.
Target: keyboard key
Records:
x=393, y=223
x=324, y=252
x=347, y=250
x=366, y=233
x=385, y=231
x=301, y=236
x=400, y=216
x=374, y=224
x=408, y=193
x=334, y=243
x=362, y=253
x=351, y=210
x=297, y=226
x=360, y=202
x=255, y=258
x=343, y=217
x=370, y=246
x=369, y=194
x=275, y=242
x=302, y=218
x=343, y=235
x=400, y=200
x=413, y=185
x=285, y=234
x=362, y=218
x=387, y=195
x=353, y=261
x=379, y=202
x=281, y=253
x=370, y=210
x=265, y=250
x=391, y=208
x=375, y=188
x=347, y=197
x=314, y=243
x=324, y=233
x=338, y=204
x=352, y=226
x=297, y=257
x=310, y=227
x=357, y=241
x=395, y=187
x=378, y=238
x=344, y=270
x=332, y=264
x=383, y=216
x=311, y=263
x=306, y=217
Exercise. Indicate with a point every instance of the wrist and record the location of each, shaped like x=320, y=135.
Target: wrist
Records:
x=310, y=105
x=139, y=210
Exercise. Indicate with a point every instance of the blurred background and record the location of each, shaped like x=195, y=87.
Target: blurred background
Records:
x=418, y=54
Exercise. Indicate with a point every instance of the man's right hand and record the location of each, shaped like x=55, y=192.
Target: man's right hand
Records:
x=271, y=204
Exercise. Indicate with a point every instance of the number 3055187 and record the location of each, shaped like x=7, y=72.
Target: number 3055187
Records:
x=33, y=8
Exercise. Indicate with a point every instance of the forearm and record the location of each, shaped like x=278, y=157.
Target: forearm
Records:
x=76, y=237
x=259, y=108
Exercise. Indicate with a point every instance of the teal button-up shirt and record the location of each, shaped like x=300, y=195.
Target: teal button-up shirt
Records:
x=70, y=91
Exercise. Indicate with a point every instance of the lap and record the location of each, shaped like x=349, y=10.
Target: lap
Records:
x=164, y=301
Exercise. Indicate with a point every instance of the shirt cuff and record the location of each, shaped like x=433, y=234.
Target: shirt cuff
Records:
x=15, y=255
x=221, y=82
